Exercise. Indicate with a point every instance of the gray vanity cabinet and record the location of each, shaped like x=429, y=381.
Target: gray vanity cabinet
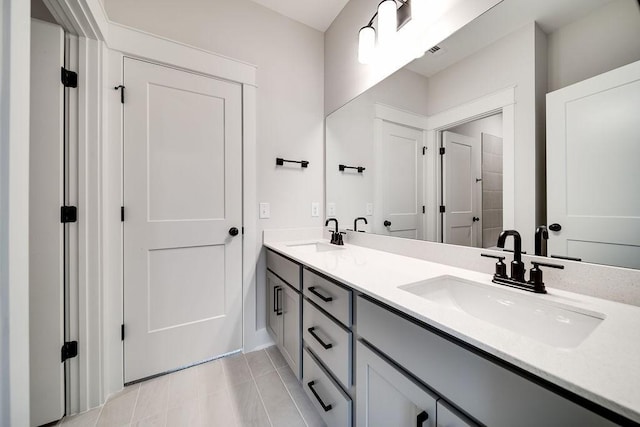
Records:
x=490, y=393
x=385, y=396
x=449, y=417
x=284, y=302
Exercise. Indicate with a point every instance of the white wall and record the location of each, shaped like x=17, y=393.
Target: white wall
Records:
x=606, y=38
x=349, y=140
x=14, y=208
x=290, y=78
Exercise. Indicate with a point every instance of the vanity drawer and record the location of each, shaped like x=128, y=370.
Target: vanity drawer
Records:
x=333, y=405
x=331, y=297
x=329, y=341
x=286, y=269
x=493, y=394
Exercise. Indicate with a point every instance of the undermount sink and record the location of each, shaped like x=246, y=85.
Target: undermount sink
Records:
x=557, y=325
x=316, y=247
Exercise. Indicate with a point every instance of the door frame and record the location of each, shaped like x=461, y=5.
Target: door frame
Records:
x=503, y=102
x=102, y=47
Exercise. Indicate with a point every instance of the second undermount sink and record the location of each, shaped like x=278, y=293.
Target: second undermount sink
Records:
x=316, y=247
x=554, y=324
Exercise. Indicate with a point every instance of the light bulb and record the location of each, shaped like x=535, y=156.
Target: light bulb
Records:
x=366, y=44
x=387, y=22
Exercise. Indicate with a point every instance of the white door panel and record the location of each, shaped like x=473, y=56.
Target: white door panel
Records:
x=592, y=168
x=401, y=178
x=182, y=194
x=46, y=241
x=461, y=166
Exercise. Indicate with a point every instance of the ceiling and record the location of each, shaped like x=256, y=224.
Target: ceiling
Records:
x=318, y=14
x=500, y=21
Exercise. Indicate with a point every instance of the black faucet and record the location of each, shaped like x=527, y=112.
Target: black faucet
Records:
x=336, y=237
x=355, y=223
x=517, y=267
x=541, y=233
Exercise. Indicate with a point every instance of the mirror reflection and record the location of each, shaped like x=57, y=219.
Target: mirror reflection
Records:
x=524, y=119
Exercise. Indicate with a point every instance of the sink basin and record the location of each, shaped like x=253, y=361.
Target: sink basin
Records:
x=316, y=247
x=557, y=325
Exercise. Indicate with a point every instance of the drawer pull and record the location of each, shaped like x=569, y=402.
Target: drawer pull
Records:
x=326, y=408
x=279, y=300
x=322, y=343
x=312, y=289
x=275, y=299
x=421, y=418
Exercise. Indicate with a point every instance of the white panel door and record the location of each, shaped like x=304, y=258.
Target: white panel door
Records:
x=593, y=152
x=461, y=166
x=182, y=195
x=46, y=238
x=400, y=177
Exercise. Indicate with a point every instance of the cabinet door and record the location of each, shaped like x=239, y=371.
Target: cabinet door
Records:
x=387, y=397
x=449, y=417
x=274, y=305
x=291, y=327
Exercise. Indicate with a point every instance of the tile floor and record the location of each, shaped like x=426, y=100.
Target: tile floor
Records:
x=255, y=389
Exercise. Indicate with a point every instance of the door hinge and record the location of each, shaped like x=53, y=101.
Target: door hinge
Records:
x=121, y=88
x=122, y=332
x=424, y=209
x=442, y=151
x=68, y=214
x=68, y=78
x=69, y=350
x=442, y=209
x=122, y=213
x=243, y=231
x=424, y=151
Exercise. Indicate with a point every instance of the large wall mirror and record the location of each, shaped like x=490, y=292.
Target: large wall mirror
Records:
x=526, y=118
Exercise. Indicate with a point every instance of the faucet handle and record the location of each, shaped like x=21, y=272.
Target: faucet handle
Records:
x=535, y=275
x=537, y=264
x=501, y=267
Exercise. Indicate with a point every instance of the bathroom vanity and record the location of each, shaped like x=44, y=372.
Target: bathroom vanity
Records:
x=382, y=339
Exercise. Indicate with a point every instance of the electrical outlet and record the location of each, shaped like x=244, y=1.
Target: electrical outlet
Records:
x=331, y=209
x=265, y=210
x=315, y=209
x=369, y=209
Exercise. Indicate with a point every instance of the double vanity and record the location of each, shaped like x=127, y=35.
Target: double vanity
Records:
x=378, y=338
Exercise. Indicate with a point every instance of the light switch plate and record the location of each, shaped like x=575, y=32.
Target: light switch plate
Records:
x=265, y=210
x=369, y=209
x=331, y=209
x=315, y=209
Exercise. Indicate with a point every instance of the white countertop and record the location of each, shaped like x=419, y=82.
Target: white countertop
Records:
x=604, y=368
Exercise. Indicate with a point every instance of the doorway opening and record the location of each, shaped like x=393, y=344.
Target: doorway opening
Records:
x=471, y=182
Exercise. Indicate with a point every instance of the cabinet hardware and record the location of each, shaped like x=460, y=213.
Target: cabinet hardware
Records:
x=279, y=300
x=421, y=418
x=326, y=346
x=68, y=214
x=312, y=289
x=326, y=408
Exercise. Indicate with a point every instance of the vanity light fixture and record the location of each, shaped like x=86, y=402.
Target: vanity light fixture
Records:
x=391, y=16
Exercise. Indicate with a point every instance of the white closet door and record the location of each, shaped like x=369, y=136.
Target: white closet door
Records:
x=461, y=196
x=593, y=152
x=182, y=196
x=46, y=241
x=400, y=178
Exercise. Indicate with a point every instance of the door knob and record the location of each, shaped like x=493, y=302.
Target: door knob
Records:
x=555, y=227
x=233, y=231
x=387, y=223
x=475, y=219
